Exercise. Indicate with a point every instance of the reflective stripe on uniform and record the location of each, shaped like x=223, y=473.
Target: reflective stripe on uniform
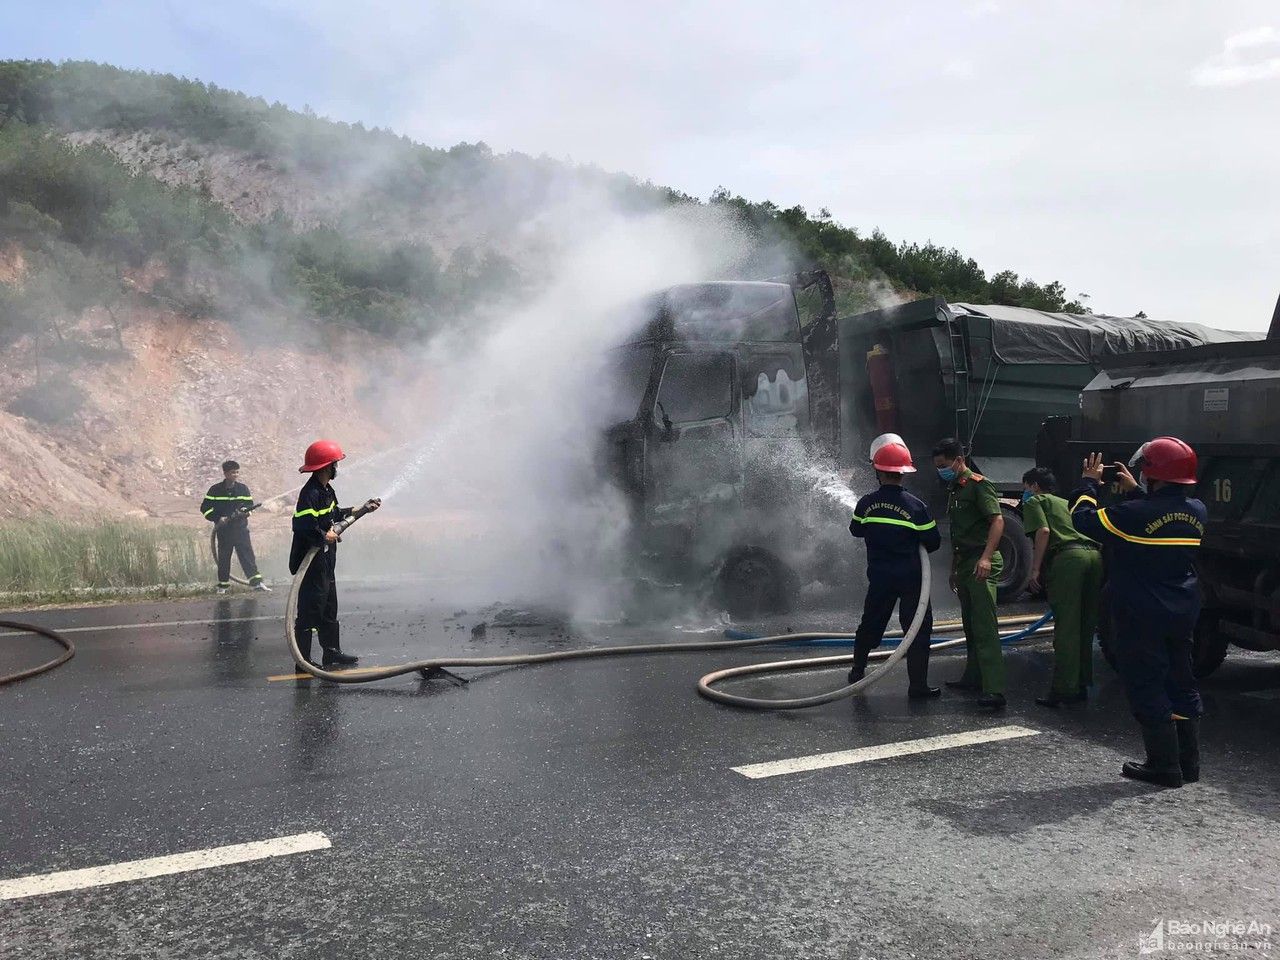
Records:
x=1083, y=498
x=211, y=497
x=1147, y=541
x=316, y=513
x=897, y=523
x=209, y=511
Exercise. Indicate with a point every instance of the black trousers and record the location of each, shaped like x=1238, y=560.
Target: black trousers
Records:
x=882, y=597
x=1154, y=659
x=318, y=606
x=235, y=537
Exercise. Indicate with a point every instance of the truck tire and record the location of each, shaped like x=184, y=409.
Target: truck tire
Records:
x=1015, y=548
x=752, y=581
x=1209, y=647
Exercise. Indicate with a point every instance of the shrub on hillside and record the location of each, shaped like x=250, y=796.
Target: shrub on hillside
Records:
x=48, y=404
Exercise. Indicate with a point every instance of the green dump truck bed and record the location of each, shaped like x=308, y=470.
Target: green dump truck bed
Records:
x=988, y=374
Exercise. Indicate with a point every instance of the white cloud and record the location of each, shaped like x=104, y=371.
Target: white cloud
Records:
x=1247, y=57
x=983, y=8
x=959, y=69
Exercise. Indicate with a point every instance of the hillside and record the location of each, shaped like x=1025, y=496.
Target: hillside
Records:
x=178, y=263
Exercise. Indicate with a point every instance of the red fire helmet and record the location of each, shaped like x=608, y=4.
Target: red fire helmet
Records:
x=1169, y=459
x=893, y=458
x=320, y=454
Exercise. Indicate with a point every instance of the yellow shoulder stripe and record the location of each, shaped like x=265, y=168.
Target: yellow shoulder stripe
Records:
x=1146, y=541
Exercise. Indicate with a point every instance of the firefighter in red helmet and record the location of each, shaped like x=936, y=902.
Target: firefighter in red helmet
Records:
x=1151, y=540
x=313, y=520
x=894, y=524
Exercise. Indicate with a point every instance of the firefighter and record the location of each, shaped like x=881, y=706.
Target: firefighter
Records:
x=973, y=509
x=316, y=513
x=894, y=524
x=1068, y=566
x=1151, y=540
x=227, y=505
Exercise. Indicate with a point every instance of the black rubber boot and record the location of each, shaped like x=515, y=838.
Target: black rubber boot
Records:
x=859, y=668
x=922, y=692
x=991, y=702
x=333, y=655
x=1189, y=748
x=1161, y=766
x=304, y=641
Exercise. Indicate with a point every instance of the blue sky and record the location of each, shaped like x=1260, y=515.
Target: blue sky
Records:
x=1128, y=149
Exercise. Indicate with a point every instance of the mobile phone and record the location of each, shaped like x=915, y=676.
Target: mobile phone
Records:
x=1109, y=473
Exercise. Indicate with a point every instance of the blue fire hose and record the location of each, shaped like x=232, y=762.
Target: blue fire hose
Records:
x=892, y=640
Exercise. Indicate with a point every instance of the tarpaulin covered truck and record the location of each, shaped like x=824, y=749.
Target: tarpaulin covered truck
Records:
x=1223, y=399
x=734, y=412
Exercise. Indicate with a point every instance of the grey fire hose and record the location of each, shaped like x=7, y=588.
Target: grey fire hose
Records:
x=69, y=650
x=425, y=667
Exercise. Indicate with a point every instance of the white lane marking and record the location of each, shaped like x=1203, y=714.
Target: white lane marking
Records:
x=41, y=884
x=163, y=623
x=1264, y=694
x=840, y=758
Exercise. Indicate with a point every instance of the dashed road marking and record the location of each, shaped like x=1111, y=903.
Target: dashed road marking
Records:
x=840, y=758
x=307, y=676
x=45, y=883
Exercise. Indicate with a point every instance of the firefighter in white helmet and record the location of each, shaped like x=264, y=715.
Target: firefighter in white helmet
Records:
x=894, y=524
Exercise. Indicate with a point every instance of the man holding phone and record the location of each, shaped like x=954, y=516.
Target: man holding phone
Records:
x=1151, y=542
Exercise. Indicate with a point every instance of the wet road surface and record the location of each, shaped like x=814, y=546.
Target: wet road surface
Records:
x=589, y=810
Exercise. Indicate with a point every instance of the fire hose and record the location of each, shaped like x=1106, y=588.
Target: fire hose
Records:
x=69, y=650
x=426, y=668
x=213, y=538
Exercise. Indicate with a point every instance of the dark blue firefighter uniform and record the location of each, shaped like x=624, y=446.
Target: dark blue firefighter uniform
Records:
x=1150, y=542
x=316, y=512
x=894, y=525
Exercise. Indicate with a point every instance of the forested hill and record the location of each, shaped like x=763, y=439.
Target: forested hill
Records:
x=251, y=206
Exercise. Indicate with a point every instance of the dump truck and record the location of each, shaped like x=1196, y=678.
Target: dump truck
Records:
x=1223, y=399
x=735, y=412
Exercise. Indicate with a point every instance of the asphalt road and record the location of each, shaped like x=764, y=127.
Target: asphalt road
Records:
x=589, y=810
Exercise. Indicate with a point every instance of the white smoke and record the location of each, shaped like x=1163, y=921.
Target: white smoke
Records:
x=505, y=474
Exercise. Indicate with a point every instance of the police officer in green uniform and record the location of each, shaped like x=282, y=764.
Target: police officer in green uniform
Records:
x=973, y=508
x=1069, y=565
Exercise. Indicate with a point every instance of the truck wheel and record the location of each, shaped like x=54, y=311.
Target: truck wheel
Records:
x=1016, y=551
x=1209, y=647
x=753, y=581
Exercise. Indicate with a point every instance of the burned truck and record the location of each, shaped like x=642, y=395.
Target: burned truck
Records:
x=1223, y=399
x=742, y=402
x=718, y=433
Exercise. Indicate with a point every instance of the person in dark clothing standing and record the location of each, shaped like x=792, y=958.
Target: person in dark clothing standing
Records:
x=226, y=506
x=313, y=521
x=894, y=525
x=1151, y=541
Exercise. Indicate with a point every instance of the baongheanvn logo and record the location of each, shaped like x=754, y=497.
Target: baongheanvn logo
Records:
x=1206, y=936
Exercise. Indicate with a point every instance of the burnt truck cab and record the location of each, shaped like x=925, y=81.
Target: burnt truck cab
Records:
x=716, y=405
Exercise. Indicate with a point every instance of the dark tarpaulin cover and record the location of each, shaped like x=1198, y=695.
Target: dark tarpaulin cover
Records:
x=1022, y=335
